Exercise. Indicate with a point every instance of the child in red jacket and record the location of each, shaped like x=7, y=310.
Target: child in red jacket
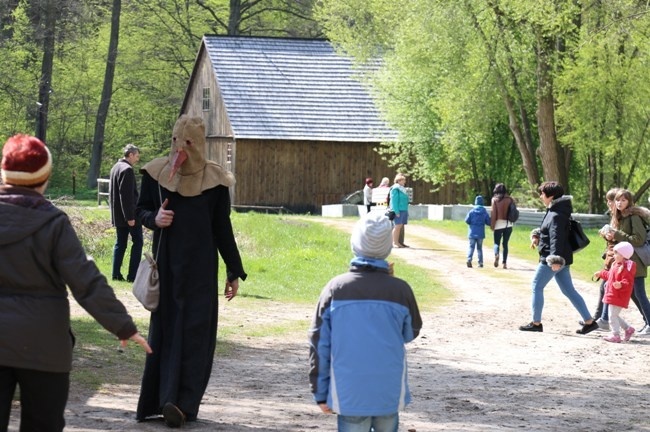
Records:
x=618, y=290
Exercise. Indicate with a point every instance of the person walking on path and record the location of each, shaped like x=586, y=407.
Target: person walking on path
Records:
x=555, y=257
x=399, y=203
x=618, y=290
x=629, y=223
x=367, y=194
x=185, y=200
x=363, y=319
x=41, y=258
x=123, y=196
x=500, y=224
x=477, y=219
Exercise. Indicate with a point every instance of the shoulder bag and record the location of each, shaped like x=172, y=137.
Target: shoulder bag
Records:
x=577, y=237
x=643, y=251
x=146, y=286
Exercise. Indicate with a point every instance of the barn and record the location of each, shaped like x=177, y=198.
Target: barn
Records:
x=291, y=119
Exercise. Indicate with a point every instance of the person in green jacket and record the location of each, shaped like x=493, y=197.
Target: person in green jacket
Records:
x=399, y=203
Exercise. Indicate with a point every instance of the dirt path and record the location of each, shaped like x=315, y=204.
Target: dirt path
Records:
x=470, y=370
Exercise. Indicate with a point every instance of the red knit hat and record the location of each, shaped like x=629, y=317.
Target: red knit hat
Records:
x=26, y=161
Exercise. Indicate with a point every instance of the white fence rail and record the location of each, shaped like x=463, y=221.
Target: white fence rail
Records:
x=529, y=217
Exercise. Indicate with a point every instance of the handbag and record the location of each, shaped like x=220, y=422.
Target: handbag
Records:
x=643, y=251
x=146, y=286
x=578, y=240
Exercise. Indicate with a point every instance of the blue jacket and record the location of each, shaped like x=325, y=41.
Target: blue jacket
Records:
x=477, y=219
x=357, y=354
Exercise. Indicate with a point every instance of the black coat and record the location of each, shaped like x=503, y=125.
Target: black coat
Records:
x=554, y=232
x=122, y=193
x=183, y=329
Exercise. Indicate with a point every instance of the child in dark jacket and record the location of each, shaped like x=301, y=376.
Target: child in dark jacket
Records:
x=618, y=290
x=477, y=219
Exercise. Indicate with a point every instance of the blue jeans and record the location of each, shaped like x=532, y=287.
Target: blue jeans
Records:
x=478, y=244
x=505, y=234
x=543, y=276
x=120, y=249
x=387, y=423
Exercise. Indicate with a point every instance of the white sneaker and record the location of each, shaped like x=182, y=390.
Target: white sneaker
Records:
x=645, y=331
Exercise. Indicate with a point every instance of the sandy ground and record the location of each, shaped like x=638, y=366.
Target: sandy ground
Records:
x=470, y=369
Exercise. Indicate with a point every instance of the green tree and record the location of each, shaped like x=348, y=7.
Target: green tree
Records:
x=454, y=72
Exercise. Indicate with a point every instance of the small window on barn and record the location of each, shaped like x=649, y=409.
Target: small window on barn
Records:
x=206, y=99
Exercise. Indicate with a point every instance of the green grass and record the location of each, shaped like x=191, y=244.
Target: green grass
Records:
x=290, y=259
x=97, y=360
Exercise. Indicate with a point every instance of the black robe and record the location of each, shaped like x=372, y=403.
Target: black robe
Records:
x=183, y=330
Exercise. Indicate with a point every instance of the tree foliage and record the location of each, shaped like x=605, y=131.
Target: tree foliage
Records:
x=158, y=42
x=466, y=83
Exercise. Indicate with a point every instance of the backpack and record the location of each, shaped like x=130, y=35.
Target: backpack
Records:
x=513, y=212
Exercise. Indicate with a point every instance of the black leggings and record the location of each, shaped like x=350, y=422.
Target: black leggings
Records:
x=43, y=396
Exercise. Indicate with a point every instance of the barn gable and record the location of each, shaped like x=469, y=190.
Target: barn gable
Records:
x=291, y=119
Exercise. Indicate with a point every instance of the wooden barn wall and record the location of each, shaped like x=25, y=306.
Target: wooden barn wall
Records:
x=304, y=175
x=216, y=119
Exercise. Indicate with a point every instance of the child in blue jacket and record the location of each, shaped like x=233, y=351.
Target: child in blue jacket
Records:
x=363, y=319
x=477, y=219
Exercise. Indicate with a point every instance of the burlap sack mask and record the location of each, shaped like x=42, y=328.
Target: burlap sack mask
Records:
x=186, y=170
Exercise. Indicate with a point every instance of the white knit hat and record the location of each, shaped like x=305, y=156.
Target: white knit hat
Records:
x=624, y=248
x=372, y=236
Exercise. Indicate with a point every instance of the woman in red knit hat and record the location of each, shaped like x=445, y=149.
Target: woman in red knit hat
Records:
x=41, y=255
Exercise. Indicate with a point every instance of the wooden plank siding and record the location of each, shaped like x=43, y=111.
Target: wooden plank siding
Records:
x=217, y=123
x=286, y=118
x=304, y=175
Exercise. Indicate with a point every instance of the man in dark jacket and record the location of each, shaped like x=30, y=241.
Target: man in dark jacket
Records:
x=40, y=258
x=123, y=196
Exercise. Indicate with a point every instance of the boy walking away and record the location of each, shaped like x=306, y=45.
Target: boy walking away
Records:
x=618, y=290
x=477, y=219
x=362, y=321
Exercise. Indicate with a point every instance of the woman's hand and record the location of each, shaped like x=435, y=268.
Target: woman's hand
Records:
x=556, y=267
x=137, y=338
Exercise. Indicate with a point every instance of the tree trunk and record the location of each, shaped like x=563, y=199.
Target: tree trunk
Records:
x=234, y=17
x=551, y=155
x=105, y=102
x=45, y=84
x=517, y=115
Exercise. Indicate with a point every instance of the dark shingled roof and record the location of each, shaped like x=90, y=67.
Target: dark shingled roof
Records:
x=296, y=89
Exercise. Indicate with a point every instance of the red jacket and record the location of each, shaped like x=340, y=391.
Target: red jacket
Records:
x=619, y=272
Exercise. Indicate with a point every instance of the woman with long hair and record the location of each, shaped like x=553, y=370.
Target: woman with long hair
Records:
x=629, y=224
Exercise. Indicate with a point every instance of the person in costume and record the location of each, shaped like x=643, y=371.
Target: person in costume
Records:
x=185, y=200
